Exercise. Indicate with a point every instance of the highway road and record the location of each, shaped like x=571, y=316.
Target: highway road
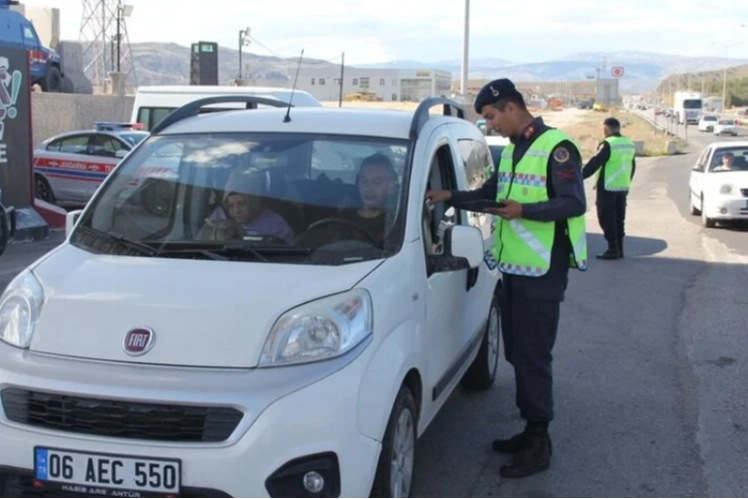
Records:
x=650, y=367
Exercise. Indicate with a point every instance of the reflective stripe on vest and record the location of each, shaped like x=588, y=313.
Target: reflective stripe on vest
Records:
x=522, y=246
x=619, y=166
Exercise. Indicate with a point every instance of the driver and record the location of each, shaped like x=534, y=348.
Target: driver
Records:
x=376, y=182
x=241, y=213
x=727, y=160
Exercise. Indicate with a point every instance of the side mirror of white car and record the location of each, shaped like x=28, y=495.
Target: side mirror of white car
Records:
x=70, y=220
x=463, y=250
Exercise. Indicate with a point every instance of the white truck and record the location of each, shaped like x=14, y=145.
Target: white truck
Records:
x=688, y=107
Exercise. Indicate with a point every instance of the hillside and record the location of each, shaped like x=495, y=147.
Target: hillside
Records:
x=169, y=63
x=712, y=84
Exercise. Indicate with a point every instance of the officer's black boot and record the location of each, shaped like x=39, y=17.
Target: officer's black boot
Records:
x=534, y=456
x=516, y=443
x=612, y=253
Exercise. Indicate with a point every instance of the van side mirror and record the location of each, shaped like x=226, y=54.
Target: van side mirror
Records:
x=70, y=220
x=463, y=250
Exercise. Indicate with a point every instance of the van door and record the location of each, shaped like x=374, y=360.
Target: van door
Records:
x=445, y=291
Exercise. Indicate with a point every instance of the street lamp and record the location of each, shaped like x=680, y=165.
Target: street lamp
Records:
x=123, y=11
x=244, y=41
x=724, y=76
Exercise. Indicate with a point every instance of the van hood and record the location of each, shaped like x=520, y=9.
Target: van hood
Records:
x=202, y=313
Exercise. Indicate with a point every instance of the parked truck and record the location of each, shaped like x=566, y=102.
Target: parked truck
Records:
x=45, y=65
x=688, y=107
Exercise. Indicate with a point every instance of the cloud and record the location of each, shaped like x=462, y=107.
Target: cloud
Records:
x=429, y=30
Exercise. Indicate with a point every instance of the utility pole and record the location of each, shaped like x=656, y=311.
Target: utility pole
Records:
x=119, y=34
x=244, y=41
x=465, y=51
x=724, y=73
x=342, y=76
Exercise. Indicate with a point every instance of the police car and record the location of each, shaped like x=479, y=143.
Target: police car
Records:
x=160, y=358
x=68, y=168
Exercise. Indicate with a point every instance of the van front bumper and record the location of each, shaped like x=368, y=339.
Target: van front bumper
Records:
x=295, y=420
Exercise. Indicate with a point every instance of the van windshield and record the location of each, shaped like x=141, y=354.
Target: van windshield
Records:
x=246, y=197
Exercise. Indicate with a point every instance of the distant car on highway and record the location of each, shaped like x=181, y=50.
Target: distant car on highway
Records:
x=719, y=183
x=70, y=167
x=726, y=126
x=706, y=123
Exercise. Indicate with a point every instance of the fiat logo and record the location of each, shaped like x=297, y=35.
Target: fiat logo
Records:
x=138, y=341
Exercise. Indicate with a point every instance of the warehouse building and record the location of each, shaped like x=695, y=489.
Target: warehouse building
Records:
x=389, y=85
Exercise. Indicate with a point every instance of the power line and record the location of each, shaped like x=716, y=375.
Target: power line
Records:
x=316, y=61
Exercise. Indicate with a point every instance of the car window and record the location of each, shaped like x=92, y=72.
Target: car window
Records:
x=29, y=36
x=710, y=118
x=331, y=197
x=726, y=122
x=132, y=138
x=727, y=159
x=439, y=217
x=477, y=161
x=77, y=144
x=107, y=146
x=151, y=116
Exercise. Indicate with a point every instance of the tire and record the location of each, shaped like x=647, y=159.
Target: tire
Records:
x=709, y=223
x=481, y=374
x=398, y=449
x=694, y=210
x=42, y=189
x=53, y=81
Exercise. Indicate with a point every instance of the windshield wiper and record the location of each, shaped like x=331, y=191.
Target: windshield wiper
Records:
x=261, y=251
x=124, y=241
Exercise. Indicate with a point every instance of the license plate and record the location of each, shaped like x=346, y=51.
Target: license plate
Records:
x=105, y=474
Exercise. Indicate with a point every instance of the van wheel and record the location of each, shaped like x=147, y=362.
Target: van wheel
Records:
x=42, y=189
x=482, y=372
x=394, y=477
x=53, y=81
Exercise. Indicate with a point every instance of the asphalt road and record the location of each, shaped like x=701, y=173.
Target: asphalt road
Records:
x=650, y=368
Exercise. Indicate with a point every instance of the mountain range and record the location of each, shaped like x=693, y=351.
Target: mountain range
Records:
x=169, y=63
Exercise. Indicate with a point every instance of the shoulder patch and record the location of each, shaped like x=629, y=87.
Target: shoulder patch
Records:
x=561, y=155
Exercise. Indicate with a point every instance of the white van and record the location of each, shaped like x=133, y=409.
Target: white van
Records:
x=154, y=103
x=288, y=327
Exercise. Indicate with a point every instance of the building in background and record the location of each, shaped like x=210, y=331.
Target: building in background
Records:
x=46, y=21
x=389, y=85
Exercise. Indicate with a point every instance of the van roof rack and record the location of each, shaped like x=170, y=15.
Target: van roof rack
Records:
x=193, y=108
x=421, y=116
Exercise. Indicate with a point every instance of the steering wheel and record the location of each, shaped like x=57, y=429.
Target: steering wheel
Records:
x=332, y=221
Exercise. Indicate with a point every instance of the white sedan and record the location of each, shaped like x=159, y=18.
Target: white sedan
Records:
x=707, y=122
x=719, y=183
x=726, y=126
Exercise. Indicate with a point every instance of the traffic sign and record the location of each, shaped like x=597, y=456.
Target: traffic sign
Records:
x=616, y=71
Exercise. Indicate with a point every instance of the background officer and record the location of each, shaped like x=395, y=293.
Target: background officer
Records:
x=615, y=161
x=541, y=233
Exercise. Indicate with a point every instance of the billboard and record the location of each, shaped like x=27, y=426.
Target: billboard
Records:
x=15, y=128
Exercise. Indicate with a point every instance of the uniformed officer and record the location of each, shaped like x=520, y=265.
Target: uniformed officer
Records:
x=615, y=164
x=540, y=234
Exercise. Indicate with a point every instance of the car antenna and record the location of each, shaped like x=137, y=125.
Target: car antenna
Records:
x=293, y=90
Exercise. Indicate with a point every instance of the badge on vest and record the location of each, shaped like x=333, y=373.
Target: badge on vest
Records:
x=561, y=155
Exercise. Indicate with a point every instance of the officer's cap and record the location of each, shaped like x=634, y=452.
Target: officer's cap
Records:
x=494, y=92
x=612, y=123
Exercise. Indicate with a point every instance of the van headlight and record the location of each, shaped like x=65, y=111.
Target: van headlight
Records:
x=20, y=306
x=319, y=330
x=726, y=189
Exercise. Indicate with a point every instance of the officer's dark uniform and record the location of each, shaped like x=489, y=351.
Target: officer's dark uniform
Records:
x=611, y=206
x=530, y=305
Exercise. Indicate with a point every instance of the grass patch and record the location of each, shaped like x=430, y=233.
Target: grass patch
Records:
x=588, y=132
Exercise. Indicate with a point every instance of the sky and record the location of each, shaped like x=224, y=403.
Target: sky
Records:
x=432, y=30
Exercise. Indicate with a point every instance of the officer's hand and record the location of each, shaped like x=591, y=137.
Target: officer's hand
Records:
x=510, y=211
x=434, y=197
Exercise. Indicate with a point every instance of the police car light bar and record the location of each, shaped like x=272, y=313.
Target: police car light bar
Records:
x=113, y=126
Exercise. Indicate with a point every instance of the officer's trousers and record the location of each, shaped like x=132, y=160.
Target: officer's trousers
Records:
x=529, y=328
x=611, y=213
